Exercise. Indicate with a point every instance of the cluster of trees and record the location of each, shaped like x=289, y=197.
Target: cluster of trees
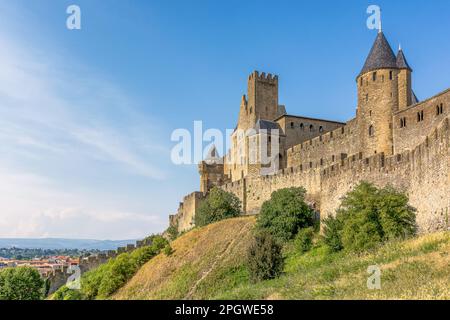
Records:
x=367, y=217
x=103, y=281
x=22, y=283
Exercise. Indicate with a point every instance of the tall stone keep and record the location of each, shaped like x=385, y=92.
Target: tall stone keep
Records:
x=378, y=98
x=262, y=100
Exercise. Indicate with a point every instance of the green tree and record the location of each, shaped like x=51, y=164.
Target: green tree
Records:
x=368, y=216
x=332, y=233
x=304, y=239
x=264, y=257
x=104, y=280
x=218, y=205
x=21, y=283
x=285, y=213
x=172, y=231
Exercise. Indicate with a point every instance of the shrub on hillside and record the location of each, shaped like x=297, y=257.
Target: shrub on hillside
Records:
x=168, y=250
x=332, y=233
x=103, y=281
x=21, y=283
x=264, y=257
x=285, y=213
x=368, y=216
x=218, y=205
x=172, y=232
x=304, y=240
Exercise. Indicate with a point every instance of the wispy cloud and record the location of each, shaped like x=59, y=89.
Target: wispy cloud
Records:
x=58, y=121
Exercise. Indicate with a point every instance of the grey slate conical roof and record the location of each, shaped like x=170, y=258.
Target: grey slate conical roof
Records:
x=381, y=56
x=401, y=61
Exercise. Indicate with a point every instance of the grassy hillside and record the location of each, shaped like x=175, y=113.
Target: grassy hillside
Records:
x=209, y=263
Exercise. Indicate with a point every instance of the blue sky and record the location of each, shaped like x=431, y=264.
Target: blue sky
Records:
x=86, y=115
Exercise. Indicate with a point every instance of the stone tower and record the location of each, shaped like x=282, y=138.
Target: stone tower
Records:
x=262, y=100
x=378, y=92
x=211, y=171
x=406, y=96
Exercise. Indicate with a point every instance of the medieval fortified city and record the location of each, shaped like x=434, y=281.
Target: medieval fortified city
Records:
x=330, y=181
x=394, y=139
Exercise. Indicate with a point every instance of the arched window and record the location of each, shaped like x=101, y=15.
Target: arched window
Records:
x=292, y=125
x=302, y=126
x=371, y=131
x=311, y=128
x=374, y=76
x=320, y=129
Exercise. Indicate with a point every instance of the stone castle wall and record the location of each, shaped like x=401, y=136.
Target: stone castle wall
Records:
x=415, y=131
x=58, y=277
x=184, y=218
x=423, y=173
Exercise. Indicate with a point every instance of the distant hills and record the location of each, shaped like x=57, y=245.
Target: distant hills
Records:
x=55, y=243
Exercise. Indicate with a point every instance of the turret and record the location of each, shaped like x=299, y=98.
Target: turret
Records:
x=211, y=171
x=377, y=98
x=405, y=94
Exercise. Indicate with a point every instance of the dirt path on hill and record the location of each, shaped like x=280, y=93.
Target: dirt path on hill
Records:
x=218, y=259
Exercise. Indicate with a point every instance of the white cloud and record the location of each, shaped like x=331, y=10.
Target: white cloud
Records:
x=59, y=122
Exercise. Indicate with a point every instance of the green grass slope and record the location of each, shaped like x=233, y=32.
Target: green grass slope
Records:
x=209, y=263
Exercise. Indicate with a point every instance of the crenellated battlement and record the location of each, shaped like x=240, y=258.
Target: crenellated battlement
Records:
x=57, y=277
x=269, y=78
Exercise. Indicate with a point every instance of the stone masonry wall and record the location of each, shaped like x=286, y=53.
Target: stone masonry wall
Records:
x=415, y=131
x=423, y=173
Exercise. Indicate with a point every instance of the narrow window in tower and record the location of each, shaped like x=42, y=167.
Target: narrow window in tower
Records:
x=250, y=110
x=390, y=75
x=371, y=131
x=440, y=109
x=374, y=76
x=402, y=122
x=361, y=81
x=321, y=162
x=367, y=97
x=420, y=116
x=382, y=78
x=332, y=158
x=269, y=138
x=310, y=164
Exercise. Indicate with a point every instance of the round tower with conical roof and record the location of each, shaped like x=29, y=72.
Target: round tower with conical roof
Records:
x=377, y=98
